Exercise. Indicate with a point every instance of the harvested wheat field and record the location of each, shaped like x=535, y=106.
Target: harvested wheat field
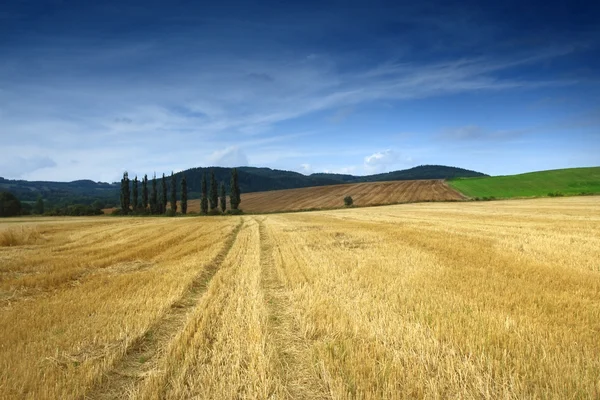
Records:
x=434, y=300
x=328, y=197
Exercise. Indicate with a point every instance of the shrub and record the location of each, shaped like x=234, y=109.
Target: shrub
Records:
x=555, y=194
x=235, y=211
x=348, y=201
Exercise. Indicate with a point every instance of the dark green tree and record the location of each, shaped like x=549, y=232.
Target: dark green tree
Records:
x=135, y=194
x=10, y=206
x=125, y=195
x=183, y=195
x=145, y=192
x=348, y=201
x=163, y=198
x=223, y=198
x=204, y=198
x=39, y=205
x=173, y=193
x=154, y=197
x=214, y=192
x=234, y=195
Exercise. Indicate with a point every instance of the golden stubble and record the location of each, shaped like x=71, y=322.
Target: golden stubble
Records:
x=438, y=300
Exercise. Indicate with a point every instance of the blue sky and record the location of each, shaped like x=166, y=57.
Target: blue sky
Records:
x=91, y=89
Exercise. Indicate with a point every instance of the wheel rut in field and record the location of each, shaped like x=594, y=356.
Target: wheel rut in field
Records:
x=292, y=362
x=142, y=355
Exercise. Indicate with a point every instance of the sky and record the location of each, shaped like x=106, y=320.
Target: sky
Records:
x=89, y=90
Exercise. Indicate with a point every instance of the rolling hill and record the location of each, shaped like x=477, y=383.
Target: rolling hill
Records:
x=572, y=181
x=327, y=197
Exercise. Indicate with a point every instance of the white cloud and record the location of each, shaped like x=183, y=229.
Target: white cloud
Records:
x=383, y=161
x=381, y=158
x=306, y=169
x=229, y=157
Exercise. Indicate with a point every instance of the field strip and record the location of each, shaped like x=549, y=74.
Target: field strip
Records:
x=104, y=262
x=292, y=361
x=143, y=354
x=222, y=352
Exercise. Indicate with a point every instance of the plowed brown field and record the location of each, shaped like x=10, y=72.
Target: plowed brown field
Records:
x=327, y=197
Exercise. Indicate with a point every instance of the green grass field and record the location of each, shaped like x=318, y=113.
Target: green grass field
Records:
x=567, y=182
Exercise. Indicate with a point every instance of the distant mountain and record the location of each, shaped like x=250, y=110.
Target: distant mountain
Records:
x=251, y=179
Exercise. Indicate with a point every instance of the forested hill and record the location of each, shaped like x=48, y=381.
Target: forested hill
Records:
x=263, y=179
x=251, y=180
x=420, y=172
x=59, y=194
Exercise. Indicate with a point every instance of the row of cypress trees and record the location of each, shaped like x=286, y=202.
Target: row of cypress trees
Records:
x=152, y=203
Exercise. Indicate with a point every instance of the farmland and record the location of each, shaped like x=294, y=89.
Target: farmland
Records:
x=473, y=299
x=570, y=181
x=332, y=196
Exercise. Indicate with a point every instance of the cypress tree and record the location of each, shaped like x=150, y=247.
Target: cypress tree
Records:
x=121, y=197
x=223, y=198
x=183, y=195
x=204, y=198
x=154, y=197
x=125, y=198
x=234, y=195
x=214, y=192
x=39, y=205
x=135, y=193
x=163, y=198
x=9, y=205
x=145, y=192
x=127, y=193
x=173, y=193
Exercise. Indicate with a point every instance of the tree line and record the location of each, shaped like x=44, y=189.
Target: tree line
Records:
x=154, y=202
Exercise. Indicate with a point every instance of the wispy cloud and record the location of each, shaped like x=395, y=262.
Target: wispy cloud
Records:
x=223, y=100
x=182, y=100
x=478, y=133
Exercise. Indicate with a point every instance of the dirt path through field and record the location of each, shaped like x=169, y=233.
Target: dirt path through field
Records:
x=141, y=357
x=295, y=371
